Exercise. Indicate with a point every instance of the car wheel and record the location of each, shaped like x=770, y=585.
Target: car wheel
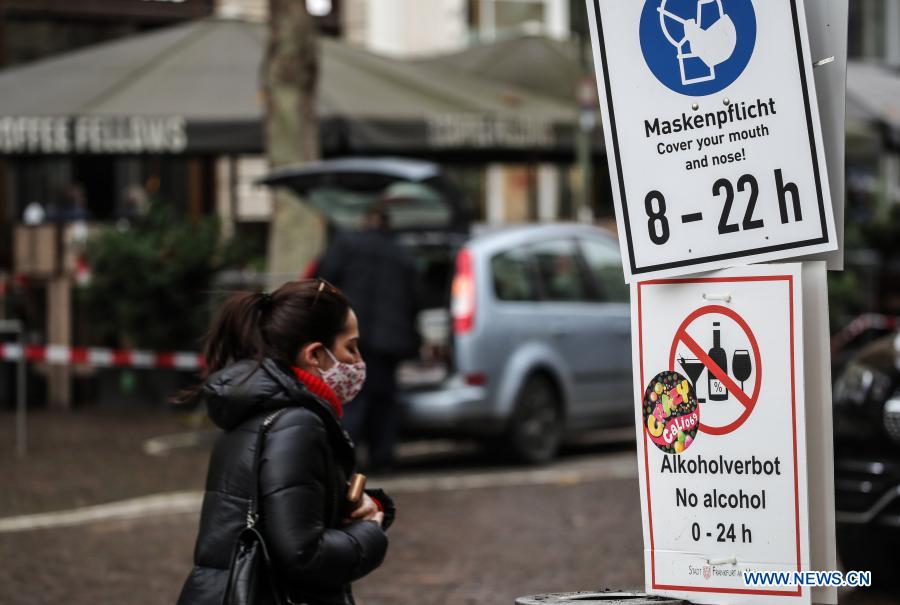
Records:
x=536, y=425
x=863, y=549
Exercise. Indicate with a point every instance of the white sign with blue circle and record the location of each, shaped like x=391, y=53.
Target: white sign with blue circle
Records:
x=712, y=130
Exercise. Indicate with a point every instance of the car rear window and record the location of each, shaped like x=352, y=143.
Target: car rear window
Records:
x=408, y=205
x=512, y=276
x=558, y=269
x=605, y=264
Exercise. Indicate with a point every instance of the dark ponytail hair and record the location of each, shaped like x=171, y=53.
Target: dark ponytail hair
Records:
x=257, y=325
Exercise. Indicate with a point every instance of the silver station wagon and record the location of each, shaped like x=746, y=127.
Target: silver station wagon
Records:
x=534, y=346
x=525, y=330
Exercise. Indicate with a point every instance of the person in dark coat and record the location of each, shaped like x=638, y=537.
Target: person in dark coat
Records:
x=294, y=350
x=379, y=279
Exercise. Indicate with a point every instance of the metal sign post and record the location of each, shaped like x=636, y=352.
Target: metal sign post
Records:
x=722, y=154
x=828, y=23
x=17, y=327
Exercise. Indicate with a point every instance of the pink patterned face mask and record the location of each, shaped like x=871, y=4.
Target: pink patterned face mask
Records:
x=345, y=379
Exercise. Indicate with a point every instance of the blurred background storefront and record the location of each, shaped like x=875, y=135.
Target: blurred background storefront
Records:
x=515, y=170
x=34, y=29
x=107, y=105
x=481, y=39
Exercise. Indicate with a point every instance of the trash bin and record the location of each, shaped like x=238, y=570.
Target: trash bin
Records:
x=603, y=597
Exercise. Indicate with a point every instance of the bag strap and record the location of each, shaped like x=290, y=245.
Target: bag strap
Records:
x=331, y=469
x=253, y=507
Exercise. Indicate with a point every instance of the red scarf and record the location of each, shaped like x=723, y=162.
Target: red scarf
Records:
x=320, y=389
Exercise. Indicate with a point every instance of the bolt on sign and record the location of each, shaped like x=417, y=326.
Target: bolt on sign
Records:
x=719, y=385
x=712, y=132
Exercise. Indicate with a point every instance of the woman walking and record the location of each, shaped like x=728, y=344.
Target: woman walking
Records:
x=289, y=359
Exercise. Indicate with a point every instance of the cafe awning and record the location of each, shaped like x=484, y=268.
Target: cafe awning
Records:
x=538, y=64
x=195, y=88
x=873, y=100
x=551, y=67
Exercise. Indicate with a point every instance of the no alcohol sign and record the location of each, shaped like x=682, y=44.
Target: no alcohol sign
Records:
x=712, y=132
x=719, y=378
x=737, y=402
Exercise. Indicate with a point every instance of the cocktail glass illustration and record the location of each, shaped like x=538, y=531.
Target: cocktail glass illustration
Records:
x=693, y=368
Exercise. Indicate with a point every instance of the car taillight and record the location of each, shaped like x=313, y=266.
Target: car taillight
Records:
x=463, y=304
x=478, y=379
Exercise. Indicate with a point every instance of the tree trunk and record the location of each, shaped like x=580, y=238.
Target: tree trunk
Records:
x=291, y=74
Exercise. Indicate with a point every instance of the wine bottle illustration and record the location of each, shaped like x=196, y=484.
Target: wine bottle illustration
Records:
x=717, y=389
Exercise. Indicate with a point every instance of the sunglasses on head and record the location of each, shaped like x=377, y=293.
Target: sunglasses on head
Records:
x=323, y=284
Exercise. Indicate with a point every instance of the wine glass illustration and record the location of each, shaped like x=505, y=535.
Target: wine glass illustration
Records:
x=740, y=365
x=693, y=368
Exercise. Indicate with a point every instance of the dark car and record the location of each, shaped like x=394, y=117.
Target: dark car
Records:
x=867, y=460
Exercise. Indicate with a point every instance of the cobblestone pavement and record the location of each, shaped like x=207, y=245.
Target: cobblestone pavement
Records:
x=91, y=457
x=482, y=546
x=477, y=545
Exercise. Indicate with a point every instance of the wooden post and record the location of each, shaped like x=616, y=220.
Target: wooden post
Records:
x=59, y=332
x=195, y=188
x=39, y=253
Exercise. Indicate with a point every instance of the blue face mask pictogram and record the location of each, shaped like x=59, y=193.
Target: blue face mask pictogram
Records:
x=698, y=47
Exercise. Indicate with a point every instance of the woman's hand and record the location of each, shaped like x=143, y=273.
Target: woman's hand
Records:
x=366, y=511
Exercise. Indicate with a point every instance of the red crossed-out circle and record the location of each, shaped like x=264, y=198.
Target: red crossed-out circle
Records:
x=748, y=401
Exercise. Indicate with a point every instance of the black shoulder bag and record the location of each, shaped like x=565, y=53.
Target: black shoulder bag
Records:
x=250, y=563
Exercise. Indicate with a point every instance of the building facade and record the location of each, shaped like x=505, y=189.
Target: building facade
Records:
x=33, y=29
x=874, y=32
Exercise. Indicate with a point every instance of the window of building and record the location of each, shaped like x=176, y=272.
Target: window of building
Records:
x=104, y=188
x=33, y=29
x=512, y=15
x=867, y=29
x=493, y=19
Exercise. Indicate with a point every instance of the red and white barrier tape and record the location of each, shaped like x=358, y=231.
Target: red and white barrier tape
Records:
x=101, y=358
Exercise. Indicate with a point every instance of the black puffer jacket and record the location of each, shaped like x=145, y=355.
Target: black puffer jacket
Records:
x=305, y=462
